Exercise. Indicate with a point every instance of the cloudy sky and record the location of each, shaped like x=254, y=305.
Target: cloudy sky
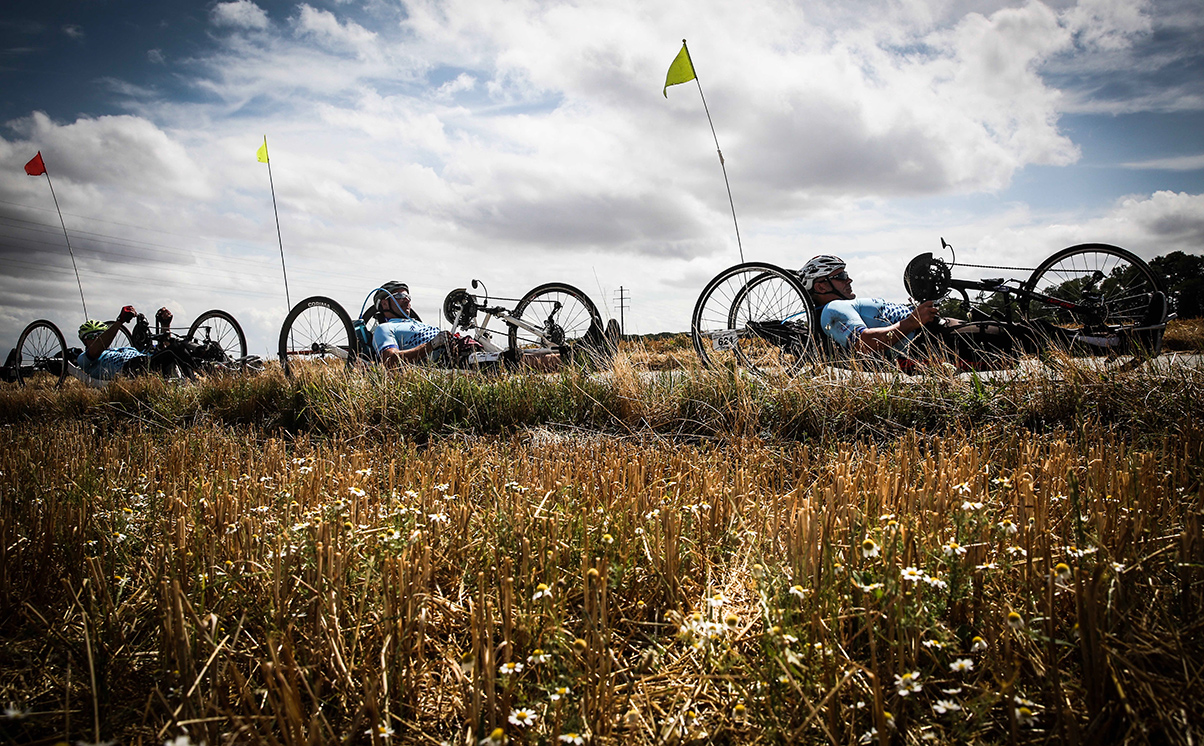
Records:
x=525, y=142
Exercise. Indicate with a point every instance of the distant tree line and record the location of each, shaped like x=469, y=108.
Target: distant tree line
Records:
x=1183, y=275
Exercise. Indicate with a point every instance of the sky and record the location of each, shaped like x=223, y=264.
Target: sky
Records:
x=527, y=142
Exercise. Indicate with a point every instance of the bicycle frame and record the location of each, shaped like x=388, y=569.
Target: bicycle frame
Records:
x=1090, y=312
x=466, y=320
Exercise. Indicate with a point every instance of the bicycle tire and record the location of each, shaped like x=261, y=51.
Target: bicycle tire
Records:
x=40, y=349
x=572, y=323
x=317, y=332
x=755, y=315
x=1124, y=283
x=220, y=327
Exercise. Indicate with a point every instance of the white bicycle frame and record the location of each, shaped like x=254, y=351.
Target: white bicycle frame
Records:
x=484, y=337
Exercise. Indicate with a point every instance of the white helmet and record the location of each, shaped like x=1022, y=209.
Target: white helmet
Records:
x=819, y=267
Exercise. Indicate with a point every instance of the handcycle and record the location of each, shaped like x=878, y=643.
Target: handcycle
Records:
x=215, y=340
x=1092, y=299
x=551, y=318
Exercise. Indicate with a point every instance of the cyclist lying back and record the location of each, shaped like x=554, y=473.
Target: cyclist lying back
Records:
x=103, y=363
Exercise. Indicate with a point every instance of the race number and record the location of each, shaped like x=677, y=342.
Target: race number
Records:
x=726, y=339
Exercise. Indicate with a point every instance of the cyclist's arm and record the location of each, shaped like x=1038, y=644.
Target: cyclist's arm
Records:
x=883, y=338
x=393, y=357
x=101, y=343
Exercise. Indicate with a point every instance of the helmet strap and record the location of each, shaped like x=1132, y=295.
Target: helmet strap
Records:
x=839, y=295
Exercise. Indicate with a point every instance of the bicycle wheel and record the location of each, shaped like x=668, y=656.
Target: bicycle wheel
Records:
x=755, y=315
x=564, y=317
x=122, y=339
x=316, y=333
x=219, y=326
x=41, y=354
x=1112, y=288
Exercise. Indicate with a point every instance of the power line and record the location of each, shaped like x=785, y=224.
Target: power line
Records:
x=94, y=273
x=121, y=240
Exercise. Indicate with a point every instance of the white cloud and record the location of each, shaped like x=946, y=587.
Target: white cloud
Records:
x=461, y=83
x=243, y=14
x=325, y=29
x=1174, y=219
x=73, y=31
x=1108, y=24
x=1180, y=163
x=117, y=150
x=155, y=56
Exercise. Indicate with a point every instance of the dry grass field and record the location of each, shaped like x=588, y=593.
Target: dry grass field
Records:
x=684, y=557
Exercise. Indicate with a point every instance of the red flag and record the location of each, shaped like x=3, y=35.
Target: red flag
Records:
x=35, y=167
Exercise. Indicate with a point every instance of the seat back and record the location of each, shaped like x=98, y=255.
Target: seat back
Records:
x=363, y=339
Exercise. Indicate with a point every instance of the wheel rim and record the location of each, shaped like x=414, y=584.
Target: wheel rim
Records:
x=1110, y=282
x=313, y=338
x=40, y=356
x=220, y=329
x=564, y=324
x=757, y=317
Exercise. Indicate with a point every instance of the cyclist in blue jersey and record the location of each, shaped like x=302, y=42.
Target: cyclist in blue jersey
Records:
x=103, y=363
x=400, y=336
x=862, y=325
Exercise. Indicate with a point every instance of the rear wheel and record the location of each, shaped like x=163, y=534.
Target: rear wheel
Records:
x=755, y=315
x=316, y=333
x=566, y=320
x=41, y=354
x=1112, y=289
x=220, y=327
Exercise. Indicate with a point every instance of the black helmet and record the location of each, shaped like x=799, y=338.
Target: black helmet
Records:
x=392, y=287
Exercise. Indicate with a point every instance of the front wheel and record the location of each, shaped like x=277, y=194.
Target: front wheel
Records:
x=220, y=327
x=41, y=354
x=123, y=337
x=755, y=315
x=1114, y=295
x=563, y=317
x=317, y=333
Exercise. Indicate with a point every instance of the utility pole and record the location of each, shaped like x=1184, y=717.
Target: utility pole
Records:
x=622, y=295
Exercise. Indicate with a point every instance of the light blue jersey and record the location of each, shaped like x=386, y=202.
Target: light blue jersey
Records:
x=108, y=366
x=402, y=334
x=845, y=320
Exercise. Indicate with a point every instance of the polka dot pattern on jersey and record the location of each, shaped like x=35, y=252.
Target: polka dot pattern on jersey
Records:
x=893, y=313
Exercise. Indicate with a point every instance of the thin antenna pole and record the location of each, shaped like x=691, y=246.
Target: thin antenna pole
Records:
x=272, y=184
x=67, y=238
x=722, y=165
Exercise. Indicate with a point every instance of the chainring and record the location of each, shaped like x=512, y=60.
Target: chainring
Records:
x=926, y=278
x=456, y=300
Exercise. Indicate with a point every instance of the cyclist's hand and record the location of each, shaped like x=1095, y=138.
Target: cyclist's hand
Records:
x=925, y=312
x=163, y=317
x=126, y=314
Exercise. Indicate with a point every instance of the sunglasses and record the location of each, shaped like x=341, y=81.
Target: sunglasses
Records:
x=842, y=276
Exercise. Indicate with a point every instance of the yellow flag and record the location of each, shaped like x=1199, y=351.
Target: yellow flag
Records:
x=681, y=71
x=262, y=154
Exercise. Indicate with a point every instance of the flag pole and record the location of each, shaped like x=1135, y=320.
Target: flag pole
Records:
x=46, y=173
x=272, y=184
x=722, y=165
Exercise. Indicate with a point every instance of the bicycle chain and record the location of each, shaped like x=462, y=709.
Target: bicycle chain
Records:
x=993, y=266
x=1017, y=269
